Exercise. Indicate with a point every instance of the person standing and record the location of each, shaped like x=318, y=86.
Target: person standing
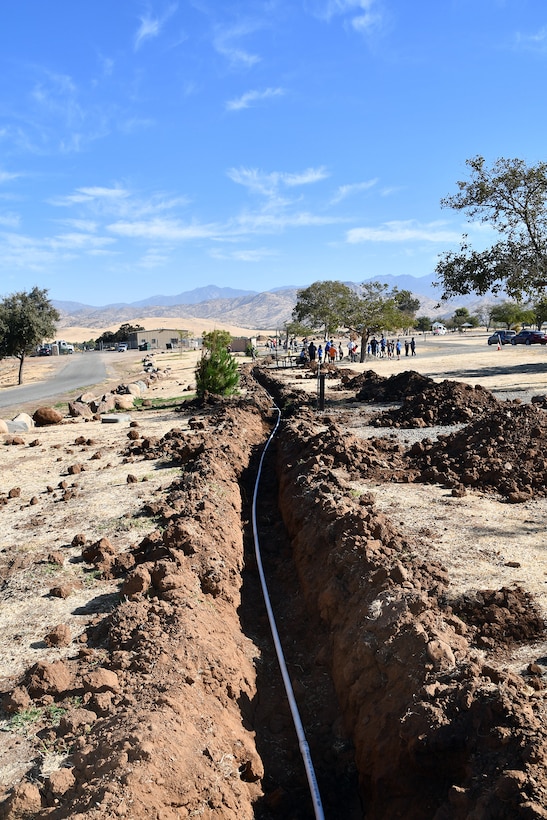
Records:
x=413, y=346
x=398, y=348
x=320, y=354
x=312, y=350
x=407, y=347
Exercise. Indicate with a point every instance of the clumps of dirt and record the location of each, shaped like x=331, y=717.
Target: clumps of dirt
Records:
x=449, y=402
x=438, y=731
x=500, y=617
x=149, y=707
x=504, y=451
x=372, y=387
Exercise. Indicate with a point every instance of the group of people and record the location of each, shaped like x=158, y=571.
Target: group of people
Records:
x=390, y=348
x=379, y=348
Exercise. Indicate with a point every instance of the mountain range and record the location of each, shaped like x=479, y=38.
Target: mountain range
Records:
x=246, y=308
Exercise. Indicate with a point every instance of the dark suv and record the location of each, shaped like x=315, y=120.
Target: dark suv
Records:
x=503, y=336
x=529, y=337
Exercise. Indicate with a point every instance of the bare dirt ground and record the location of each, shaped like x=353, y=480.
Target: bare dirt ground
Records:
x=135, y=663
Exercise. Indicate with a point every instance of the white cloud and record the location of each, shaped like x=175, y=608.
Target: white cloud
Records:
x=80, y=241
x=163, y=229
x=355, y=188
x=403, y=231
x=152, y=26
x=6, y=176
x=225, y=43
x=364, y=15
x=244, y=255
x=532, y=42
x=10, y=220
x=269, y=184
x=250, y=97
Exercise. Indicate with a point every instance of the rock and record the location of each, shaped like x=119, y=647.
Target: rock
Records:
x=60, y=782
x=101, y=680
x=137, y=582
x=132, y=479
x=78, y=409
x=62, y=591
x=125, y=402
x=75, y=469
x=76, y=721
x=56, y=557
x=3, y=427
x=49, y=678
x=23, y=419
x=45, y=416
x=441, y=655
x=79, y=540
x=15, y=492
x=98, y=551
x=24, y=802
x=59, y=636
x=16, y=701
x=133, y=389
x=104, y=405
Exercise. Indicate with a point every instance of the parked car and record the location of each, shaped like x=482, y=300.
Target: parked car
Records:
x=529, y=337
x=503, y=336
x=45, y=350
x=122, y=347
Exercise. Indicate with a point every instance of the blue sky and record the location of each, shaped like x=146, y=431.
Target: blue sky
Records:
x=151, y=148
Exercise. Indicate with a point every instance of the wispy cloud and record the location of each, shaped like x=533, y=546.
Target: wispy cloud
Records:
x=364, y=15
x=171, y=230
x=7, y=176
x=403, y=231
x=151, y=26
x=10, y=220
x=268, y=184
x=226, y=43
x=251, y=97
x=532, y=42
x=244, y=255
x=345, y=191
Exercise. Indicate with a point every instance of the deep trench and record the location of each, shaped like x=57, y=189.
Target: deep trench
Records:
x=305, y=644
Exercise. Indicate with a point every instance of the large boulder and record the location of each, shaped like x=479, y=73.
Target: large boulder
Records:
x=45, y=416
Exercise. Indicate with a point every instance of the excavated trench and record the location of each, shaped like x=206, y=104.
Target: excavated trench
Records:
x=174, y=706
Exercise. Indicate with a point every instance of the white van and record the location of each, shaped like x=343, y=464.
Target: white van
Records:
x=438, y=329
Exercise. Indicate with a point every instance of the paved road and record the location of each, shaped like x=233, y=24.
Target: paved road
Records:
x=81, y=370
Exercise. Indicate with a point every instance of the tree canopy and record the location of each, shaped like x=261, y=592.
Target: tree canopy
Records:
x=510, y=314
x=324, y=305
x=27, y=318
x=511, y=197
x=374, y=310
x=121, y=335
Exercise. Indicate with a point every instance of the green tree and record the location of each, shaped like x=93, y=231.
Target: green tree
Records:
x=423, y=324
x=26, y=319
x=540, y=311
x=407, y=305
x=324, y=305
x=374, y=310
x=510, y=314
x=462, y=318
x=216, y=371
x=511, y=197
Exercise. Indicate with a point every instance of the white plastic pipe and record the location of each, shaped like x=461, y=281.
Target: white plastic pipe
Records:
x=302, y=742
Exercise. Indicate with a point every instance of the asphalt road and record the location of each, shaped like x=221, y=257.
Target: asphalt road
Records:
x=81, y=370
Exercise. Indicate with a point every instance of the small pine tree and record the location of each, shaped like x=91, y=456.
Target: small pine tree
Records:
x=217, y=370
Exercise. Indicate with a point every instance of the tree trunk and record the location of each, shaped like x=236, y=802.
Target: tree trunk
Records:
x=364, y=342
x=21, y=363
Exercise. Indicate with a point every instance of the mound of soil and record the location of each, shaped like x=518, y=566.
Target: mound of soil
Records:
x=504, y=451
x=372, y=387
x=449, y=402
x=500, y=617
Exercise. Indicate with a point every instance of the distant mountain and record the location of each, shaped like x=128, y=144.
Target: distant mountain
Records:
x=266, y=310
x=195, y=296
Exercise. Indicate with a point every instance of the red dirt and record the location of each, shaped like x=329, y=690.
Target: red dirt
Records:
x=172, y=705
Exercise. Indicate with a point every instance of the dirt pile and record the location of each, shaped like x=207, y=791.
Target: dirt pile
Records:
x=151, y=706
x=504, y=451
x=372, y=387
x=449, y=402
x=438, y=731
x=167, y=705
